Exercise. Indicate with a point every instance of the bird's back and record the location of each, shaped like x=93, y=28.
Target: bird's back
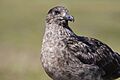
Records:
x=93, y=51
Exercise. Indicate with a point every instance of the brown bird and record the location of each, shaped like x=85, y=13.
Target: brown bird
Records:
x=67, y=56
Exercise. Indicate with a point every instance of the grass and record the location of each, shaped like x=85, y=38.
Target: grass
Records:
x=22, y=27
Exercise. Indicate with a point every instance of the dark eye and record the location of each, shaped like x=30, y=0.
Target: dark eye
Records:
x=57, y=12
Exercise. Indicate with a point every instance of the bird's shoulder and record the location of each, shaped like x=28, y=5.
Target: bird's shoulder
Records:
x=90, y=50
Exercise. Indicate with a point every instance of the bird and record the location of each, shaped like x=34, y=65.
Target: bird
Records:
x=67, y=56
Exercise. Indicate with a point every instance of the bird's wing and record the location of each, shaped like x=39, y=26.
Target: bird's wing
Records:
x=92, y=51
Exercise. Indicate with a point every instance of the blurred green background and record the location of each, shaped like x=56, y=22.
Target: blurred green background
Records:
x=22, y=28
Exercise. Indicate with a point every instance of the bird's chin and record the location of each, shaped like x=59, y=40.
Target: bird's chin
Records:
x=61, y=22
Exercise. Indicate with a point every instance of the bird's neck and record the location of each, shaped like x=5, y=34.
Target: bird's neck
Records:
x=58, y=30
x=54, y=33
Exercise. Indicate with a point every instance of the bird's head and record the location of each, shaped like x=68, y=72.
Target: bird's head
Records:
x=59, y=14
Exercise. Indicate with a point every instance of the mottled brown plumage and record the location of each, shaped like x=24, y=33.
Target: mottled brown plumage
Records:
x=66, y=56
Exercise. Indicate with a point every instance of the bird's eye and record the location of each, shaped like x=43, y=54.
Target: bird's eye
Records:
x=57, y=12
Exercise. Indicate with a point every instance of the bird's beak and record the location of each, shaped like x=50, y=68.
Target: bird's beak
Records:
x=69, y=17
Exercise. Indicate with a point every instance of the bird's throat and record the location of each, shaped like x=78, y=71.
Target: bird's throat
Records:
x=58, y=30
